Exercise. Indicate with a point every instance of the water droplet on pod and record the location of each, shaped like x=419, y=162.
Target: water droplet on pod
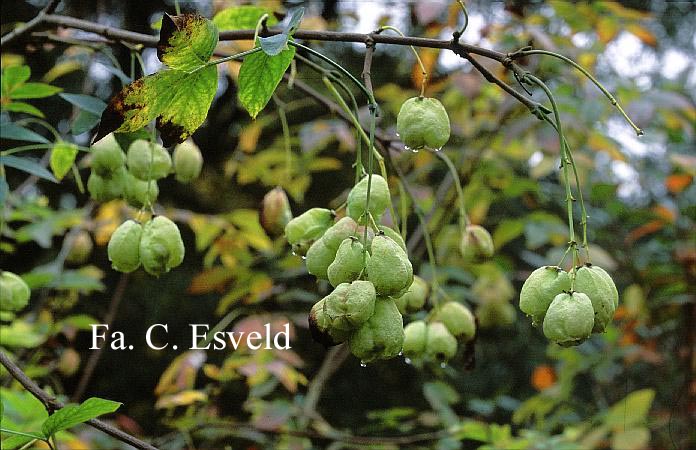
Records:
x=363, y=364
x=407, y=360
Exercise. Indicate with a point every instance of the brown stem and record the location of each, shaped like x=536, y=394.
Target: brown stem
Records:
x=463, y=50
x=333, y=360
x=33, y=23
x=96, y=355
x=51, y=404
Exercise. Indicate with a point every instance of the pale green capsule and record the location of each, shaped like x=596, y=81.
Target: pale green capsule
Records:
x=148, y=160
x=188, y=161
x=569, y=319
x=124, y=246
x=423, y=122
x=308, y=226
x=389, y=268
x=14, y=292
x=457, y=318
x=590, y=282
x=349, y=262
x=379, y=198
x=539, y=290
x=107, y=156
x=139, y=193
x=415, y=336
x=440, y=344
x=161, y=247
x=414, y=299
x=351, y=305
x=382, y=336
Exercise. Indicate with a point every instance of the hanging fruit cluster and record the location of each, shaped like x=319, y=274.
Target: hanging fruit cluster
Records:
x=569, y=306
x=156, y=244
x=368, y=266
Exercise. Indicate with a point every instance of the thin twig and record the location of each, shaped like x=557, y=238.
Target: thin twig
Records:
x=33, y=23
x=96, y=355
x=51, y=405
x=332, y=362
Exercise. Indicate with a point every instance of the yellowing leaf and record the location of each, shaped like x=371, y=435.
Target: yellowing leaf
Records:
x=186, y=41
x=642, y=33
x=184, y=398
x=62, y=158
x=178, y=100
x=607, y=29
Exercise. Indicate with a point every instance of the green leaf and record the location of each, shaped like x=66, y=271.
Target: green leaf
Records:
x=632, y=410
x=259, y=76
x=62, y=158
x=34, y=90
x=507, y=230
x=13, y=77
x=242, y=17
x=87, y=103
x=186, y=41
x=4, y=190
x=71, y=415
x=178, y=100
x=22, y=107
x=84, y=122
x=275, y=44
x=9, y=130
x=27, y=165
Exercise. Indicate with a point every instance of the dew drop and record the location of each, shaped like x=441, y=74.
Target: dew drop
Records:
x=303, y=257
x=443, y=365
x=293, y=253
x=640, y=132
x=401, y=353
x=398, y=135
x=407, y=360
x=363, y=364
x=438, y=149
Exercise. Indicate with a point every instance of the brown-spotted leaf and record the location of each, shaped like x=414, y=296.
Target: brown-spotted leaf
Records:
x=177, y=99
x=186, y=41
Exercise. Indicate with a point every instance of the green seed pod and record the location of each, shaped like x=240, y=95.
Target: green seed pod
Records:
x=496, y=314
x=148, y=161
x=414, y=299
x=590, y=282
x=614, y=292
x=81, y=248
x=382, y=336
x=320, y=320
x=161, y=247
x=124, y=246
x=318, y=259
x=309, y=226
x=104, y=189
x=396, y=237
x=458, y=319
x=379, y=198
x=349, y=262
x=539, y=290
x=476, y=242
x=341, y=230
x=423, y=122
x=389, y=268
x=569, y=319
x=275, y=211
x=14, y=292
x=188, y=161
x=107, y=156
x=139, y=193
x=351, y=304
x=415, y=336
x=440, y=345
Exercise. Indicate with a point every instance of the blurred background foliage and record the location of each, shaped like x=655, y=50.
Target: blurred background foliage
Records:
x=630, y=388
